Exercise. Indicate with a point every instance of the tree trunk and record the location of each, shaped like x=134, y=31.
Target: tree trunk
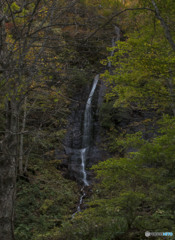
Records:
x=21, y=152
x=171, y=91
x=8, y=174
x=7, y=152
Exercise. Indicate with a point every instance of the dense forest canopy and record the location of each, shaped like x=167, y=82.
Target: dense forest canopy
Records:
x=49, y=52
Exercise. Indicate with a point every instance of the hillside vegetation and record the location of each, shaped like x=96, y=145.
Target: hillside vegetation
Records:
x=49, y=51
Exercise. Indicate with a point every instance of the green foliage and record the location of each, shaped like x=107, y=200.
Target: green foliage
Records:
x=44, y=202
x=121, y=142
x=105, y=115
x=94, y=223
x=136, y=192
x=144, y=66
x=141, y=184
x=79, y=77
x=15, y=7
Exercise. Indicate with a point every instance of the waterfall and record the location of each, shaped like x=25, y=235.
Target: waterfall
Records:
x=87, y=115
x=87, y=126
x=83, y=162
x=114, y=40
x=87, y=130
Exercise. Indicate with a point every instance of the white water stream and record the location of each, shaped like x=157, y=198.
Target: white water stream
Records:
x=114, y=40
x=87, y=126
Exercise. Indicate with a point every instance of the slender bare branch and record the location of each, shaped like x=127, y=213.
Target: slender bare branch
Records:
x=116, y=15
x=164, y=25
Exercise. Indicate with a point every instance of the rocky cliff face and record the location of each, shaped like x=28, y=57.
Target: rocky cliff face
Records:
x=74, y=137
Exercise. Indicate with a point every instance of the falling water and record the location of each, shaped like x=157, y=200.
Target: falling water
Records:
x=83, y=162
x=112, y=52
x=114, y=40
x=87, y=126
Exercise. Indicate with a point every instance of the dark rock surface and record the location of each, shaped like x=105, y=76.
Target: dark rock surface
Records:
x=73, y=139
